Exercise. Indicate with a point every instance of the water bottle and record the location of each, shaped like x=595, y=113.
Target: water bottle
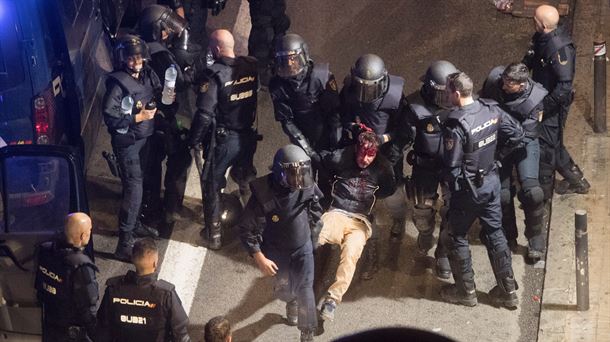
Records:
x=171, y=74
x=126, y=108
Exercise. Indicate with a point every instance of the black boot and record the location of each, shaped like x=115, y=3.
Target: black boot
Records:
x=424, y=220
x=463, y=292
x=369, y=268
x=442, y=267
x=536, y=248
x=505, y=293
x=307, y=335
x=213, y=235
x=124, y=246
x=397, y=231
x=574, y=181
x=292, y=313
x=425, y=242
x=142, y=230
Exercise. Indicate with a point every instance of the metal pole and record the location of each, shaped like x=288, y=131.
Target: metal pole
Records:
x=599, y=84
x=582, y=260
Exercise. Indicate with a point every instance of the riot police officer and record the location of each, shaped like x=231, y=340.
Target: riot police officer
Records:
x=373, y=97
x=470, y=139
x=427, y=111
x=522, y=98
x=306, y=102
x=226, y=111
x=196, y=12
x=269, y=24
x=552, y=60
x=139, y=307
x=159, y=26
x=129, y=129
x=280, y=228
x=66, y=284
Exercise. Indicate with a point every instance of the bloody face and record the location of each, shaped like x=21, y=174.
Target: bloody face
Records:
x=365, y=153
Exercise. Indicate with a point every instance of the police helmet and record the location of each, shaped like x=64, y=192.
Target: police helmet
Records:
x=156, y=18
x=127, y=46
x=435, y=81
x=369, y=78
x=291, y=56
x=230, y=209
x=292, y=168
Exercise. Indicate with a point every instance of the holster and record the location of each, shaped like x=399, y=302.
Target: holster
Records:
x=113, y=163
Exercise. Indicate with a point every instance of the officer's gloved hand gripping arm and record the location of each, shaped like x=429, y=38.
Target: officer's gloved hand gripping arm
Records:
x=207, y=100
x=510, y=136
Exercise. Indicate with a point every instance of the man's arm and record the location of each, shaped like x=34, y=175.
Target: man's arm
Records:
x=179, y=320
x=563, y=66
x=453, y=152
x=250, y=232
x=104, y=318
x=207, y=100
x=85, y=294
x=385, y=178
x=113, y=118
x=510, y=136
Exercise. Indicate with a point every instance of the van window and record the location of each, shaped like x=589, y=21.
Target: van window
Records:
x=11, y=68
x=37, y=193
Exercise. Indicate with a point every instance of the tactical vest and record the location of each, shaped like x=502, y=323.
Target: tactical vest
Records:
x=429, y=136
x=542, y=70
x=138, y=312
x=481, y=135
x=141, y=94
x=287, y=217
x=54, y=282
x=378, y=118
x=306, y=107
x=523, y=107
x=237, y=92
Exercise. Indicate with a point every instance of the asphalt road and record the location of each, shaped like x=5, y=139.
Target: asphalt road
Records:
x=408, y=35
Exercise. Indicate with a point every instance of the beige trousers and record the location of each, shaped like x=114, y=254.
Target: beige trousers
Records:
x=351, y=234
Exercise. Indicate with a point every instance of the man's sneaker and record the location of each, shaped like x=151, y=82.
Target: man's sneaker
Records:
x=306, y=335
x=442, y=268
x=142, y=230
x=453, y=294
x=292, y=313
x=565, y=187
x=327, y=312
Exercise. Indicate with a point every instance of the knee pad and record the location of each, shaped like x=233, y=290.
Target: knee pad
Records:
x=423, y=218
x=547, y=177
x=531, y=197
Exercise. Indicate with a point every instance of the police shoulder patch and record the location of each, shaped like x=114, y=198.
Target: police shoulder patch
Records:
x=449, y=143
x=203, y=88
x=275, y=218
x=429, y=128
x=562, y=57
x=139, y=104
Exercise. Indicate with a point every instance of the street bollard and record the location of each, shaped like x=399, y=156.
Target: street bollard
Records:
x=599, y=84
x=582, y=260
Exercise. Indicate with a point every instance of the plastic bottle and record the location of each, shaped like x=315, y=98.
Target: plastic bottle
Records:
x=126, y=108
x=171, y=74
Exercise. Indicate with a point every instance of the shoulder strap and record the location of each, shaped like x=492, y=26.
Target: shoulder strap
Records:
x=128, y=83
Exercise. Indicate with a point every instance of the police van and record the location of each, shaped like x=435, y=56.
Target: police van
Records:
x=54, y=55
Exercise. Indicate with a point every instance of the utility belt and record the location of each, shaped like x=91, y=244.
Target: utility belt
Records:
x=223, y=132
x=72, y=332
x=478, y=179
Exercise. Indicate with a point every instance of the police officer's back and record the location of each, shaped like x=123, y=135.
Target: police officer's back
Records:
x=223, y=124
x=140, y=307
x=66, y=283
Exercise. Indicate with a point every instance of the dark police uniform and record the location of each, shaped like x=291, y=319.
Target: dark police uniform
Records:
x=226, y=111
x=269, y=22
x=141, y=308
x=470, y=139
x=308, y=110
x=282, y=224
x=128, y=147
x=528, y=108
x=552, y=61
x=68, y=291
x=427, y=159
x=169, y=141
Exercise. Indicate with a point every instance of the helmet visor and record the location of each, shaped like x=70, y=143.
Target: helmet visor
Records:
x=297, y=175
x=173, y=24
x=368, y=91
x=290, y=64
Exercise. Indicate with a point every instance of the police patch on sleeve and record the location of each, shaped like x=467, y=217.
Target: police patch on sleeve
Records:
x=562, y=54
x=449, y=143
x=429, y=128
x=139, y=104
x=275, y=218
x=203, y=88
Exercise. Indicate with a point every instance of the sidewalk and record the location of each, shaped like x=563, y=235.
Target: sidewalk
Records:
x=559, y=319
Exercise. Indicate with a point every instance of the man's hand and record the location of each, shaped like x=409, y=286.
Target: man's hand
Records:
x=267, y=267
x=145, y=114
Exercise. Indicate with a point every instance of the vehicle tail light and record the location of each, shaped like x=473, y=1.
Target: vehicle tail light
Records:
x=41, y=120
